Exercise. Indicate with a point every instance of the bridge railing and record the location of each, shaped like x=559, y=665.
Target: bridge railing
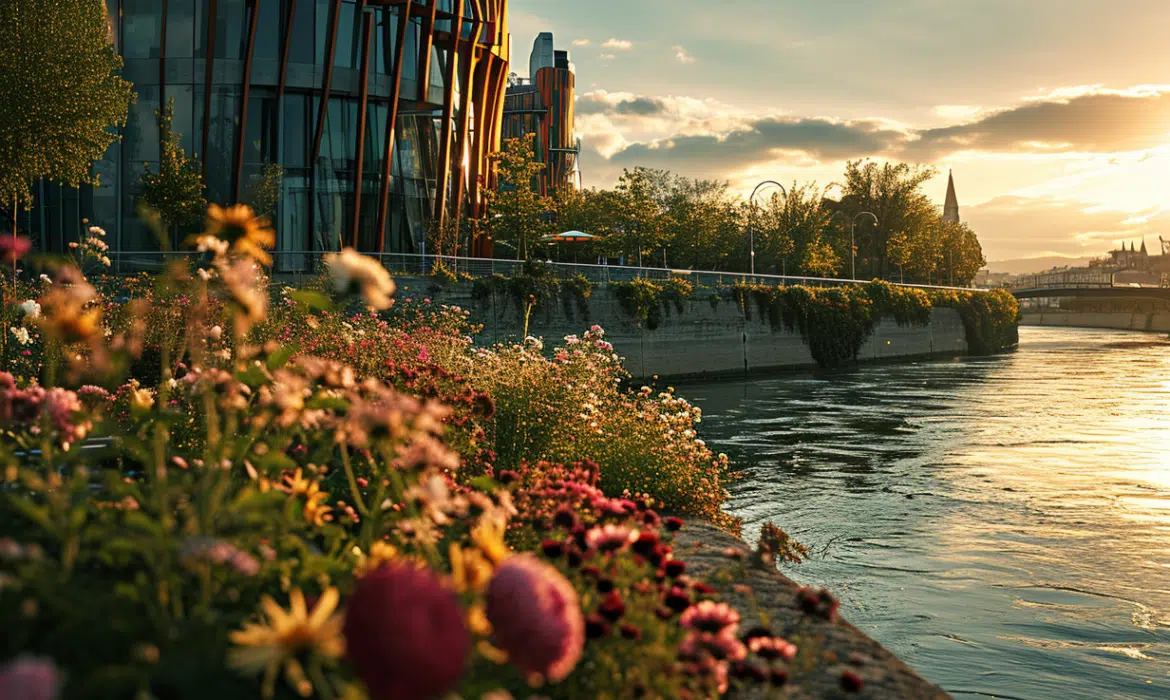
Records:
x=307, y=263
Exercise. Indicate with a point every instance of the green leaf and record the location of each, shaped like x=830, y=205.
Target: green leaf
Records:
x=484, y=483
x=254, y=376
x=312, y=300
x=281, y=357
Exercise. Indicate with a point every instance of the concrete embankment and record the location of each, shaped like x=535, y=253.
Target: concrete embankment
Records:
x=704, y=339
x=826, y=649
x=1117, y=320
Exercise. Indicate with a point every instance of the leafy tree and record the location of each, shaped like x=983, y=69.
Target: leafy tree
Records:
x=639, y=222
x=518, y=214
x=264, y=193
x=792, y=222
x=60, y=93
x=899, y=252
x=702, y=225
x=820, y=260
x=893, y=193
x=175, y=192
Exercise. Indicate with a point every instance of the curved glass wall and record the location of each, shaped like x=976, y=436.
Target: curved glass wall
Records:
x=321, y=87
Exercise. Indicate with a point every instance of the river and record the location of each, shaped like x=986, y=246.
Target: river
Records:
x=1001, y=524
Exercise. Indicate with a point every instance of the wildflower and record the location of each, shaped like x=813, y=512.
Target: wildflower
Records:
x=612, y=606
x=674, y=524
x=350, y=271
x=470, y=569
x=536, y=618
x=818, y=602
x=242, y=230
x=13, y=248
x=851, y=682
x=31, y=308
x=29, y=678
x=674, y=568
x=405, y=634
x=553, y=549
x=141, y=399
x=677, y=600
x=596, y=627
x=535, y=343
x=380, y=553
x=771, y=648
x=21, y=334
x=609, y=538
x=488, y=536
x=720, y=646
x=247, y=294
x=631, y=632
x=269, y=647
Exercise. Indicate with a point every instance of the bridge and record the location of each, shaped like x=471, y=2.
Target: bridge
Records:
x=1086, y=284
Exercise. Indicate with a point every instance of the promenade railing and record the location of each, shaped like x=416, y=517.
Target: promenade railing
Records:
x=291, y=264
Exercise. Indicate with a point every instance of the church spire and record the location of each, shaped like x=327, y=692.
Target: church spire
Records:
x=1144, y=246
x=951, y=208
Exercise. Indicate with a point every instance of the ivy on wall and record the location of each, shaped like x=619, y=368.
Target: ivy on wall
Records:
x=648, y=302
x=540, y=286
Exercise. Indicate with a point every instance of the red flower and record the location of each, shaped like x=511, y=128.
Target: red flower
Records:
x=612, y=607
x=405, y=634
x=596, y=627
x=536, y=617
x=711, y=617
x=674, y=524
x=675, y=568
x=851, y=682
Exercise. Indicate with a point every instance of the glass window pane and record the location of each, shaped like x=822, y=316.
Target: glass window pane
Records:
x=268, y=28
x=300, y=48
x=180, y=28
x=142, y=28
x=230, y=25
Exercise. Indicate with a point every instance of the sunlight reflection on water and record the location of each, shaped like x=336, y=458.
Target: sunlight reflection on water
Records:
x=1002, y=524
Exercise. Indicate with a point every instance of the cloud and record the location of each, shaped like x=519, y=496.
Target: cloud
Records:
x=607, y=57
x=580, y=42
x=1012, y=226
x=1091, y=120
x=618, y=45
x=681, y=55
x=619, y=104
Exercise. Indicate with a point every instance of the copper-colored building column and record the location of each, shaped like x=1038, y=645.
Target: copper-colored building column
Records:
x=391, y=122
x=424, y=54
x=367, y=29
x=441, y=180
x=242, y=128
x=285, y=40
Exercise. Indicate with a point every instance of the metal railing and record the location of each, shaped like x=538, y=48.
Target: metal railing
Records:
x=306, y=263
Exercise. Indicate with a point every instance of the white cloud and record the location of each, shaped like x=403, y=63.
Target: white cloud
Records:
x=607, y=56
x=618, y=45
x=580, y=42
x=681, y=55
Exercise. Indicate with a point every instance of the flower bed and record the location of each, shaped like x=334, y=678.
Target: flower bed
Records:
x=211, y=490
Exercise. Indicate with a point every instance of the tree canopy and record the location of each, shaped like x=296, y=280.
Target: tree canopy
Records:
x=61, y=94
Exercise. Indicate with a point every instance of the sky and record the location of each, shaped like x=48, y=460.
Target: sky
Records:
x=1054, y=115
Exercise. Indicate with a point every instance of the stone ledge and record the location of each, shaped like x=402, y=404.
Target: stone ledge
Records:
x=826, y=649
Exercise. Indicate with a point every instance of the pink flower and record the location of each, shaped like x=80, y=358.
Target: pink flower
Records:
x=772, y=648
x=405, y=634
x=29, y=678
x=610, y=538
x=722, y=646
x=709, y=616
x=536, y=617
x=13, y=248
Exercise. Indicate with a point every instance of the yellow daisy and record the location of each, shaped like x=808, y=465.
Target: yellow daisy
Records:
x=265, y=648
x=247, y=233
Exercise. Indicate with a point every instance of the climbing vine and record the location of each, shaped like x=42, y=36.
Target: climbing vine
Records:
x=649, y=301
x=536, y=286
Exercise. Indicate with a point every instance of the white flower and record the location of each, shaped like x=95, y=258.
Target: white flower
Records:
x=22, y=335
x=350, y=269
x=215, y=333
x=534, y=342
x=206, y=274
x=46, y=279
x=31, y=308
x=213, y=244
x=97, y=231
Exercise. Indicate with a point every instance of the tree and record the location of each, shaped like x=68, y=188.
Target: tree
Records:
x=790, y=223
x=265, y=192
x=893, y=193
x=517, y=214
x=898, y=251
x=820, y=260
x=60, y=93
x=175, y=192
x=639, y=225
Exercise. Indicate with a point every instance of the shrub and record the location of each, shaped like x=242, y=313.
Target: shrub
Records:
x=647, y=301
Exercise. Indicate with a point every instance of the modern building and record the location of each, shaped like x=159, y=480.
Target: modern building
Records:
x=381, y=112
x=543, y=105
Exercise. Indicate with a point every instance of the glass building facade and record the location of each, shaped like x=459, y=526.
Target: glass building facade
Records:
x=381, y=112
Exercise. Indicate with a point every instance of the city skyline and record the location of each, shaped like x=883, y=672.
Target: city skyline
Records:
x=1055, y=124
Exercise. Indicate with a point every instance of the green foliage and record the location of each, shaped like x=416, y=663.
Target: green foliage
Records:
x=516, y=212
x=60, y=93
x=175, y=192
x=991, y=319
x=836, y=321
x=265, y=192
x=537, y=285
x=646, y=301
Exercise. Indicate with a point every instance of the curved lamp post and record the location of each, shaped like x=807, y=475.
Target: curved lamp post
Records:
x=853, y=242
x=751, y=230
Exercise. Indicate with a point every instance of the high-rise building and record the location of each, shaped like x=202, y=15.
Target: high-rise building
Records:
x=381, y=112
x=543, y=105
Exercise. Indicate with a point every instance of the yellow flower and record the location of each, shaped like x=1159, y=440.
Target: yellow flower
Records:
x=267, y=647
x=470, y=569
x=297, y=484
x=245, y=232
x=380, y=553
x=316, y=512
x=488, y=535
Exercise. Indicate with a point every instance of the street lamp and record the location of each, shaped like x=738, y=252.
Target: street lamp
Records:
x=751, y=218
x=853, y=242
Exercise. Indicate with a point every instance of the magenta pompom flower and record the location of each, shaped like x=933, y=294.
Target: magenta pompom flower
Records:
x=405, y=634
x=708, y=616
x=610, y=538
x=536, y=618
x=13, y=248
x=772, y=648
x=29, y=678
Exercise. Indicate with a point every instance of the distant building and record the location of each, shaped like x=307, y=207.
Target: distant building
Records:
x=1131, y=258
x=951, y=208
x=543, y=105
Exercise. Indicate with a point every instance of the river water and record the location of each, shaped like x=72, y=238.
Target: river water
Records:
x=1001, y=524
